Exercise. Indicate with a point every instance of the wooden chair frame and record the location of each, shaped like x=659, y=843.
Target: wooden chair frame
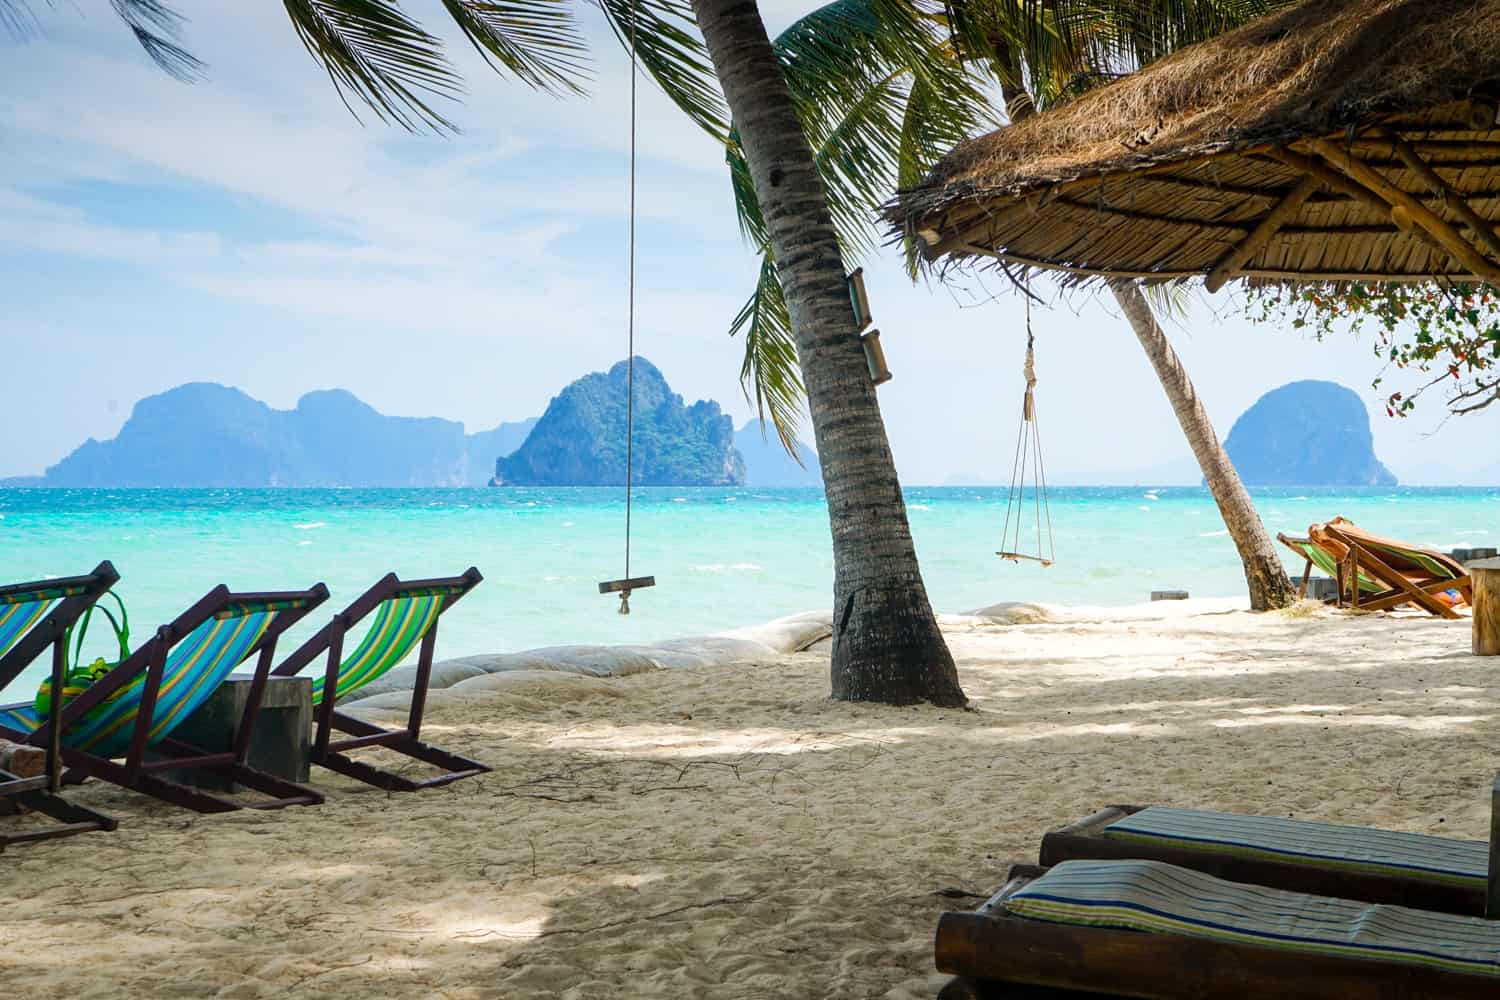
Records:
x=997, y=955
x=40, y=794
x=1401, y=588
x=1085, y=840
x=329, y=643
x=141, y=775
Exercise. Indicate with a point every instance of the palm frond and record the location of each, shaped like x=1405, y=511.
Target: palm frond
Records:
x=852, y=67
x=16, y=18
x=1120, y=36
x=156, y=27
x=770, y=374
x=672, y=54
x=537, y=40
x=376, y=54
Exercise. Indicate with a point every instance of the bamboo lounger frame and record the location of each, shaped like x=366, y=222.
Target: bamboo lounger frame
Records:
x=333, y=754
x=40, y=793
x=141, y=775
x=1085, y=840
x=996, y=955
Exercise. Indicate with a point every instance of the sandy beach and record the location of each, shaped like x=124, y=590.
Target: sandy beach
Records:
x=728, y=831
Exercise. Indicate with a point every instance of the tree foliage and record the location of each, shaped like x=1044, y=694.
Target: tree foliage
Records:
x=1444, y=335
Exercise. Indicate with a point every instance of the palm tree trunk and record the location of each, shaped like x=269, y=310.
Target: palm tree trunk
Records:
x=1269, y=586
x=886, y=642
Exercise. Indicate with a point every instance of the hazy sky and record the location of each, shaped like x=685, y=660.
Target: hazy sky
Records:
x=247, y=230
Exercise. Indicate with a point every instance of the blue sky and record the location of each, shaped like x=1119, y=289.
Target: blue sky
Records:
x=247, y=230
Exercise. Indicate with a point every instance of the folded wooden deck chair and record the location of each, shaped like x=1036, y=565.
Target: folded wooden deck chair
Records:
x=1148, y=929
x=138, y=704
x=1315, y=555
x=1409, y=573
x=1375, y=866
x=34, y=616
x=405, y=613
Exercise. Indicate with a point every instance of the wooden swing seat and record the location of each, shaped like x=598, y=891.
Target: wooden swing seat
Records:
x=1018, y=556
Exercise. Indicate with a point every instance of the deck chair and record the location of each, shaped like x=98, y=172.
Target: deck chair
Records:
x=34, y=616
x=1351, y=862
x=137, y=705
x=1315, y=555
x=1409, y=573
x=405, y=613
x=1147, y=929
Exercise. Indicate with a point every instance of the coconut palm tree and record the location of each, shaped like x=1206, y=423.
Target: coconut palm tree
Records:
x=886, y=642
x=1037, y=55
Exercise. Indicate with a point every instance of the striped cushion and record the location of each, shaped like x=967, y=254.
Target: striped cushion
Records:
x=194, y=669
x=399, y=625
x=1326, y=845
x=1158, y=898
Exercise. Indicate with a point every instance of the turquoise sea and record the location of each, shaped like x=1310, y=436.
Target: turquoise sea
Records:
x=722, y=558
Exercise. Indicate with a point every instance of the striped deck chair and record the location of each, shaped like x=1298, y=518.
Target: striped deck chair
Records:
x=34, y=616
x=1315, y=555
x=1326, y=859
x=138, y=704
x=1152, y=930
x=404, y=613
x=1410, y=574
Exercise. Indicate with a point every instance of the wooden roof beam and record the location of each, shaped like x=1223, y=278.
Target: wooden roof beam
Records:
x=1455, y=200
x=1241, y=252
x=1461, y=250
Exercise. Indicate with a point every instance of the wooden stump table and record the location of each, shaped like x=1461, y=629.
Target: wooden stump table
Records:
x=282, y=739
x=1486, y=578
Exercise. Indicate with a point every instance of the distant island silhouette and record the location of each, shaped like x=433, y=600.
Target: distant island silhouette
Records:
x=206, y=435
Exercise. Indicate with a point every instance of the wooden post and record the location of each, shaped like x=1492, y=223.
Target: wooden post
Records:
x=1485, y=574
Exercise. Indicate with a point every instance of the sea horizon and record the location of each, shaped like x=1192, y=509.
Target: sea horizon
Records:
x=722, y=558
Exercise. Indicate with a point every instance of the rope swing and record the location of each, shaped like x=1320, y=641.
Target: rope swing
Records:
x=627, y=583
x=1028, y=458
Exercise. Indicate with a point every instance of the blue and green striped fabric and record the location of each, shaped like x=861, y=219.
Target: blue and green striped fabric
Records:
x=400, y=623
x=16, y=619
x=194, y=668
x=1153, y=897
x=21, y=610
x=1325, y=845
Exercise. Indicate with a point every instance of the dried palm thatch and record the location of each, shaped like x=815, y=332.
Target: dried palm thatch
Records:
x=1339, y=140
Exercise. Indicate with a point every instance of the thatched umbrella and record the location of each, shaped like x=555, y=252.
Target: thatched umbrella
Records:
x=1340, y=140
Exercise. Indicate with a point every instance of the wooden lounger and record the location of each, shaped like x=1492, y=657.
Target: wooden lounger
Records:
x=1375, y=866
x=1089, y=929
x=1409, y=573
x=405, y=616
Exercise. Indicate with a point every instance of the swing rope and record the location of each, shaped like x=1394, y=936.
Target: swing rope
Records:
x=630, y=323
x=1028, y=457
x=625, y=585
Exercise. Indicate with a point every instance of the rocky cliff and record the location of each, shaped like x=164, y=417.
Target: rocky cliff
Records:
x=1307, y=433
x=580, y=439
x=208, y=435
x=768, y=464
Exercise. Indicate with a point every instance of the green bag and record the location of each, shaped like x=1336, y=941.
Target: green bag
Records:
x=79, y=679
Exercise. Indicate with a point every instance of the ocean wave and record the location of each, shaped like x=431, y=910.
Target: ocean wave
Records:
x=1213, y=534
x=310, y=525
x=679, y=499
x=917, y=506
x=743, y=567
x=305, y=542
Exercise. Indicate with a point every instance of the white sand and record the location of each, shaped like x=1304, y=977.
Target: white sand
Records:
x=728, y=831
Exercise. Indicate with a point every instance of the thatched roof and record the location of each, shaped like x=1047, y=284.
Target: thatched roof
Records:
x=1340, y=139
